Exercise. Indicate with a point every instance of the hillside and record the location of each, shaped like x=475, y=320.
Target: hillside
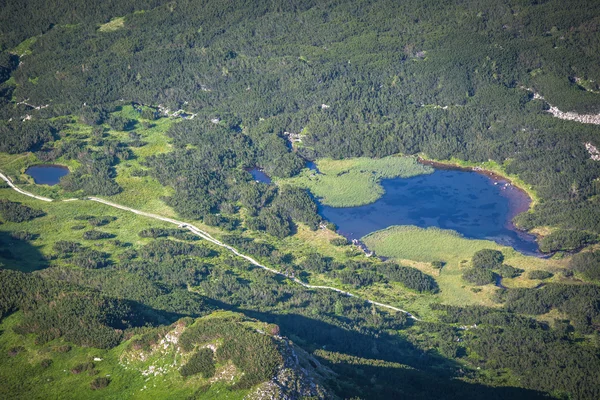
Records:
x=222, y=355
x=158, y=266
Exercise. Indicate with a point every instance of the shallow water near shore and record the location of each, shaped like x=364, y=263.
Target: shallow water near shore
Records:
x=467, y=202
x=47, y=174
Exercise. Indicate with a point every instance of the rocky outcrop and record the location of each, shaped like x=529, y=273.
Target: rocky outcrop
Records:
x=300, y=376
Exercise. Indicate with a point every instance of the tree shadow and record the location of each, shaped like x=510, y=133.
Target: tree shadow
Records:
x=362, y=361
x=20, y=255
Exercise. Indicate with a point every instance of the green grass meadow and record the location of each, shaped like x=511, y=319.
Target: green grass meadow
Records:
x=23, y=376
x=418, y=247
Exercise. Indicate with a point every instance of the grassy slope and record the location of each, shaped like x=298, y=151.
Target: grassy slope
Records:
x=24, y=375
x=143, y=192
x=355, y=181
x=58, y=222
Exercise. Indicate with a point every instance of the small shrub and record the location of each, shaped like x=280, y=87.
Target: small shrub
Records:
x=63, y=349
x=438, y=264
x=539, y=274
x=201, y=362
x=506, y=271
x=65, y=247
x=100, y=221
x=274, y=330
x=567, y=273
x=479, y=276
x=83, y=367
x=339, y=241
x=487, y=258
x=13, y=351
x=46, y=362
x=17, y=212
x=96, y=235
x=99, y=383
x=79, y=368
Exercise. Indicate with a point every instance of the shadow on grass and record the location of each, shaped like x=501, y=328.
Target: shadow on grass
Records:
x=20, y=255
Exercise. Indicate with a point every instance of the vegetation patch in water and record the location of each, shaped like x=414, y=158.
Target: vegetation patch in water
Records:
x=355, y=181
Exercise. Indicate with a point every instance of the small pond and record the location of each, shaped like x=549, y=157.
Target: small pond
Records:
x=47, y=174
x=470, y=203
x=259, y=175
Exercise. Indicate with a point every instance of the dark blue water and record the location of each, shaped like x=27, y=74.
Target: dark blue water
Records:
x=468, y=202
x=47, y=174
x=259, y=175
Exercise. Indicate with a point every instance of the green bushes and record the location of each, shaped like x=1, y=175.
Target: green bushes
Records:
x=255, y=354
x=539, y=274
x=410, y=277
x=83, y=367
x=339, y=241
x=438, y=264
x=487, y=266
x=316, y=263
x=24, y=235
x=96, y=235
x=99, y=383
x=100, y=221
x=290, y=204
x=487, y=258
x=579, y=302
x=157, y=250
x=119, y=123
x=86, y=320
x=357, y=279
x=181, y=234
x=90, y=259
x=65, y=248
x=202, y=362
x=250, y=246
x=478, y=276
x=16, y=212
x=19, y=137
x=81, y=256
x=96, y=174
x=588, y=264
x=507, y=271
x=566, y=240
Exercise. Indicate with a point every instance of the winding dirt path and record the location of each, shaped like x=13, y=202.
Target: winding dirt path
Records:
x=12, y=185
x=206, y=236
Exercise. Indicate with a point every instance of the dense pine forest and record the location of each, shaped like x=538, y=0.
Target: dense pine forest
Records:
x=166, y=106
